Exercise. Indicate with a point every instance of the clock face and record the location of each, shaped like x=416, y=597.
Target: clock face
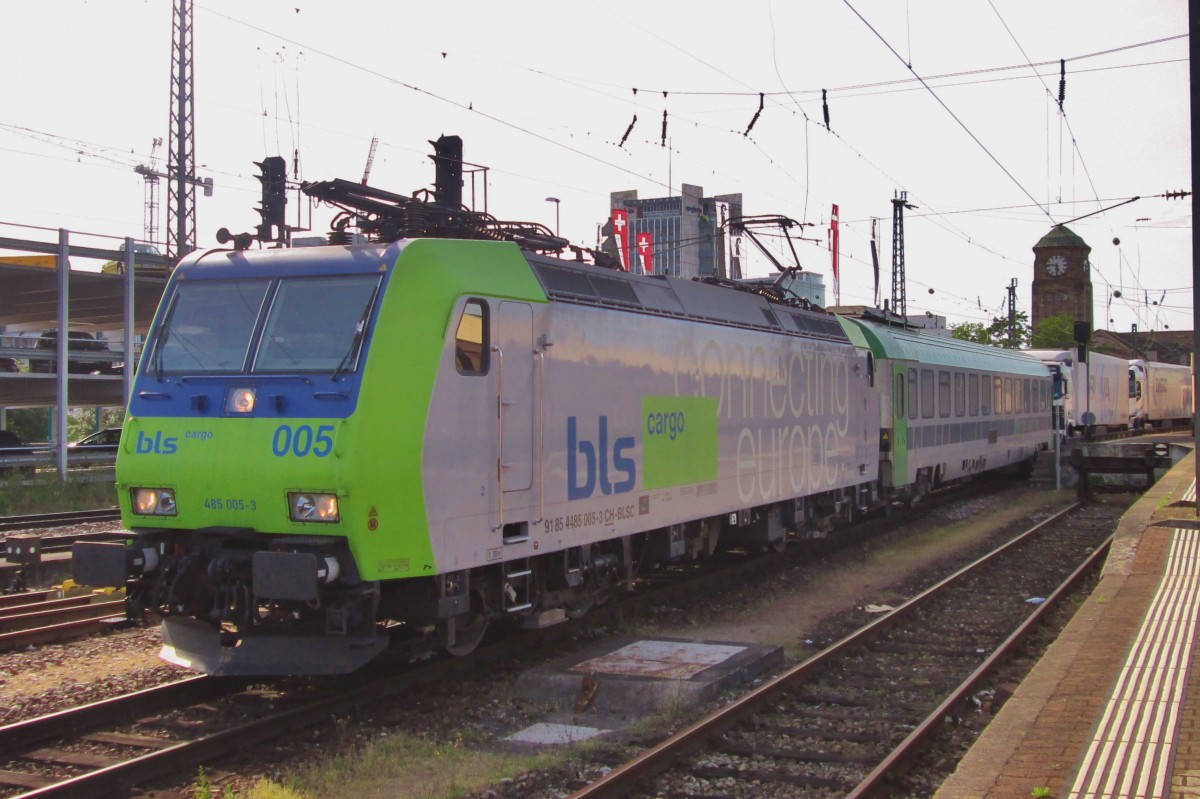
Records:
x=1056, y=265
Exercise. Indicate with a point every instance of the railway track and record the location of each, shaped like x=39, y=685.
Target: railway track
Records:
x=97, y=750
x=37, y=520
x=846, y=722
x=41, y=617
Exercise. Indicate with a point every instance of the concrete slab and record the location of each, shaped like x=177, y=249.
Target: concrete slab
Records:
x=549, y=734
x=621, y=681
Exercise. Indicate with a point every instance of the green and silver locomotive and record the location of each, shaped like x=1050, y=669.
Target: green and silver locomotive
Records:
x=328, y=449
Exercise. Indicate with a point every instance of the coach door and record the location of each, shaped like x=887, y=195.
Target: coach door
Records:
x=515, y=373
x=902, y=396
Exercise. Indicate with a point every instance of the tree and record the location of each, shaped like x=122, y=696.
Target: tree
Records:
x=1014, y=337
x=1055, y=333
x=997, y=334
x=971, y=331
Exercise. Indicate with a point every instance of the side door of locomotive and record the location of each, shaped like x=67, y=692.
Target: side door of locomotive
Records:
x=517, y=403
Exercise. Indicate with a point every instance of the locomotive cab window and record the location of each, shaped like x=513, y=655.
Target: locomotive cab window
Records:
x=471, y=339
x=317, y=324
x=209, y=326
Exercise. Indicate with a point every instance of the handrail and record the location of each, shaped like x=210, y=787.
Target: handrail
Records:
x=500, y=427
x=541, y=423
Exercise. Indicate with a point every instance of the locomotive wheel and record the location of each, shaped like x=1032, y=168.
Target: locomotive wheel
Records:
x=578, y=608
x=469, y=628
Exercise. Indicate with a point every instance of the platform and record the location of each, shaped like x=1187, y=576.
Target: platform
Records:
x=1113, y=708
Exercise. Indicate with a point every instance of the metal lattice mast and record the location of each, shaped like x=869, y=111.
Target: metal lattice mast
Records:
x=899, y=282
x=181, y=163
x=150, y=175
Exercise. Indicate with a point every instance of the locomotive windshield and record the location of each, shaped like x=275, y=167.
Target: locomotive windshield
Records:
x=209, y=326
x=316, y=324
x=311, y=325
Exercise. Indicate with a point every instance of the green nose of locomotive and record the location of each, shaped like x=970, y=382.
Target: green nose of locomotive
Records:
x=232, y=470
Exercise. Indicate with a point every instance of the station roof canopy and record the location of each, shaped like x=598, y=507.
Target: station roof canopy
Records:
x=96, y=301
x=39, y=390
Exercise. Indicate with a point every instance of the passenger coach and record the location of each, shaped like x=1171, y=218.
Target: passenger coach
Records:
x=951, y=408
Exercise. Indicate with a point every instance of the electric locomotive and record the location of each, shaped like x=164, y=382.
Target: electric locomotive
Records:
x=331, y=448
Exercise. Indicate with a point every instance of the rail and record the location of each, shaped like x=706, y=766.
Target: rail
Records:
x=634, y=774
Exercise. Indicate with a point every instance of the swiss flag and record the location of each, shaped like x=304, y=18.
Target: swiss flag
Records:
x=645, y=249
x=620, y=226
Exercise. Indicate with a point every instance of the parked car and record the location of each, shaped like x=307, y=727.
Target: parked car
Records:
x=139, y=248
x=105, y=440
x=10, y=445
x=77, y=341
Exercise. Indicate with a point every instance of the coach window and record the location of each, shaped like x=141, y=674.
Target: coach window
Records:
x=973, y=394
x=926, y=393
x=985, y=395
x=1026, y=401
x=913, y=393
x=471, y=340
x=1008, y=395
x=960, y=394
x=943, y=393
x=997, y=396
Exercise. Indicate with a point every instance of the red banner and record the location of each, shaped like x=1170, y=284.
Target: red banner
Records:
x=620, y=226
x=645, y=248
x=833, y=248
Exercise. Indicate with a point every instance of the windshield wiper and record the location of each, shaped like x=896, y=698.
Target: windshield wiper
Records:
x=360, y=329
x=160, y=339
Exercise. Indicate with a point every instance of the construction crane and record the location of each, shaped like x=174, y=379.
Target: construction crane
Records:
x=151, y=175
x=370, y=159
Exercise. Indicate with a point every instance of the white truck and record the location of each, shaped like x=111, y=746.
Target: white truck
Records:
x=1089, y=396
x=1160, y=394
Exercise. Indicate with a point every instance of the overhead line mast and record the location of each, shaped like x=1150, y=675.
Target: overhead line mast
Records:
x=181, y=161
x=899, y=279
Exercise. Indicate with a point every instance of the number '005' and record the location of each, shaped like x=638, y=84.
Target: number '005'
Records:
x=301, y=441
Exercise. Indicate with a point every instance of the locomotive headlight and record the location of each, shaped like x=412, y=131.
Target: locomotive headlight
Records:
x=240, y=400
x=310, y=507
x=154, y=501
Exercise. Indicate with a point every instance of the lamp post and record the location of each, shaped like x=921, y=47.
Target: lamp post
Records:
x=557, y=205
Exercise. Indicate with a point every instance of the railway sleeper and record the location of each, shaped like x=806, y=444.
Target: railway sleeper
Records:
x=964, y=649
x=799, y=754
x=769, y=777
x=817, y=733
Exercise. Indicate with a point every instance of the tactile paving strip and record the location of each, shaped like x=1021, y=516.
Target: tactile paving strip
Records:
x=1133, y=749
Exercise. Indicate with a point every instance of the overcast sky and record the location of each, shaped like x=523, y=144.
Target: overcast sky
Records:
x=542, y=92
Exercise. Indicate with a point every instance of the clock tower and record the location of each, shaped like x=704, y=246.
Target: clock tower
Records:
x=1062, y=277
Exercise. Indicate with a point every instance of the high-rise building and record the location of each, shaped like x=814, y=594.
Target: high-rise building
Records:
x=689, y=239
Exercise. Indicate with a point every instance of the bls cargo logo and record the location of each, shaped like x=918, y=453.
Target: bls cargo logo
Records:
x=679, y=447
x=157, y=443
x=600, y=463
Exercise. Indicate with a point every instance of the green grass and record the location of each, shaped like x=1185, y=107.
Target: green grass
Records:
x=47, y=494
x=404, y=767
